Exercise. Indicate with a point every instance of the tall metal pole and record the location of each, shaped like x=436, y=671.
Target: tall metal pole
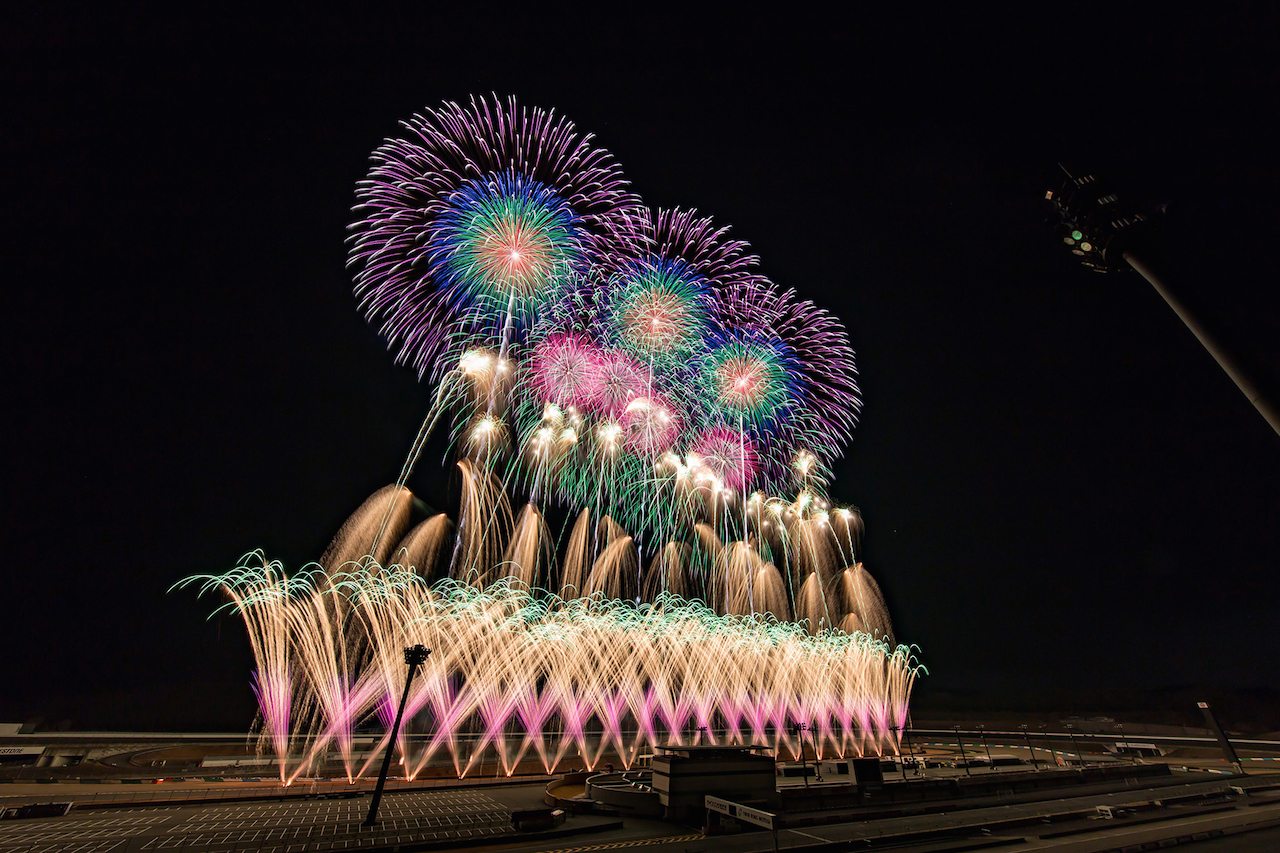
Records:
x=1133, y=759
x=901, y=759
x=1106, y=232
x=1226, y=360
x=799, y=728
x=963, y=756
x=982, y=730
x=414, y=656
x=1053, y=758
x=1227, y=749
x=1071, y=733
x=906, y=733
x=1035, y=762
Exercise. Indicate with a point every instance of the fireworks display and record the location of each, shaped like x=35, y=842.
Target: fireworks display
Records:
x=477, y=203
x=504, y=242
x=636, y=370
x=538, y=679
x=658, y=310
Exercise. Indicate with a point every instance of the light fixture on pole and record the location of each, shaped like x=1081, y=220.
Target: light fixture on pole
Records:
x=414, y=656
x=1072, y=734
x=798, y=728
x=901, y=761
x=1106, y=232
x=1044, y=735
x=964, y=758
x=1035, y=762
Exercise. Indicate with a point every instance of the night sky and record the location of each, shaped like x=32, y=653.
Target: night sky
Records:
x=1061, y=488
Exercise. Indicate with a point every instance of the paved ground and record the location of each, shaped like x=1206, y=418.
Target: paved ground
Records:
x=93, y=793
x=1041, y=826
x=1262, y=841
x=1048, y=825
x=480, y=819
x=445, y=817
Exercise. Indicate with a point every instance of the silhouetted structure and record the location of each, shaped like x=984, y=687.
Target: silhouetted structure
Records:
x=1106, y=233
x=414, y=656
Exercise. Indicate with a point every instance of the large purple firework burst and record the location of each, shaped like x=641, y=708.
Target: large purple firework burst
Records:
x=475, y=203
x=646, y=348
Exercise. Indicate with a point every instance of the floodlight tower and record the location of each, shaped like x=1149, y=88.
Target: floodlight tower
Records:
x=1107, y=233
x=414, y=657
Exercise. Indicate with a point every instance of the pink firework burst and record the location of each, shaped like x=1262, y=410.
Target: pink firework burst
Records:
x=728, y=454
x=565, y=369
x=650, y=425
x=621, y=381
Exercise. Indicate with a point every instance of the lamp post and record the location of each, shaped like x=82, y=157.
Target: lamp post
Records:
x=1053, y=756
x=1072, y=734
x=1106, y=233
x=901, y=761
x=920, y=762
x=1035, y=762
x=1228, y=751
x=964, y=757
x=991, y=765
x=414, y=656
x=911, y=750
x=799, y=728
x=1127, y=748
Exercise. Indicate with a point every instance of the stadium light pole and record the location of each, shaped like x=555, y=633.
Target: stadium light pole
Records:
x=414, y=656
x=799, y=727
x=1053, y=757
x=991, y=765
x=1106, y=233
x=1227, y=360
x=963, y=755
x=1228, y=750
x=901, y=761
x=1035, y=762
x=1071, y=734
x=1133, y=759
x=906, y=733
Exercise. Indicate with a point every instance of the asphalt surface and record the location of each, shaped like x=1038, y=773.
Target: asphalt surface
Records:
x=1261, y=841
x=92, y=793
x=479, y=818
x=443, y=818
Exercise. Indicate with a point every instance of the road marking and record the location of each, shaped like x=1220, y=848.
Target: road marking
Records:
x=807, y=835
x=619, y=844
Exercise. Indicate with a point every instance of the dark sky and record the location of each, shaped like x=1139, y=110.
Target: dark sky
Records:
x=1060, y=486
